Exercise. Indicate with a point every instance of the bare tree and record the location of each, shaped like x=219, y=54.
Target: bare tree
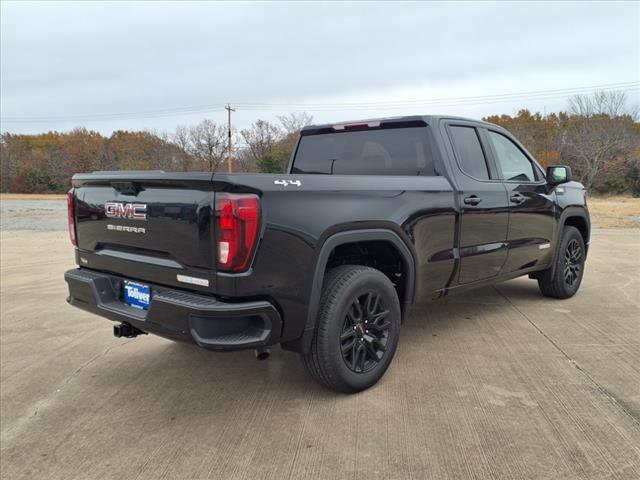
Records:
x=182, y=139
x=204, y=144
x=597, y=131
x=207, y=143
x=260, y=138
x=293, y=122
x=612, y=104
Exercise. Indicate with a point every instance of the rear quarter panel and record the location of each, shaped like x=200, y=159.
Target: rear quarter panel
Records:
x=298, y=219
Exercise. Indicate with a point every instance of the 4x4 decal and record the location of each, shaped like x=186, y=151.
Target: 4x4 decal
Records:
x=286, y=183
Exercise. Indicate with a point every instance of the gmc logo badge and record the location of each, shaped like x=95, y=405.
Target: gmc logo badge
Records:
x=134, y=211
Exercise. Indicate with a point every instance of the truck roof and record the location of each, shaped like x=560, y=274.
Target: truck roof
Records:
x=428, y=119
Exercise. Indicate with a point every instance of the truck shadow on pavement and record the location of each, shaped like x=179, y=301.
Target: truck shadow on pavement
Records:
x=196, y=376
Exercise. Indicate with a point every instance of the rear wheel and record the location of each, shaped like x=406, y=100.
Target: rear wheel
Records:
x=357, y=329
x=565, y=280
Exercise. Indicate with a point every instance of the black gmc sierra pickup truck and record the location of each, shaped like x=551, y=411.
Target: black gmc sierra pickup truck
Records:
x=326, y=260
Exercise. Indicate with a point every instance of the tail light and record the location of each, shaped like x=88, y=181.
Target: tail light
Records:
x=237, y=228
x=71, y=218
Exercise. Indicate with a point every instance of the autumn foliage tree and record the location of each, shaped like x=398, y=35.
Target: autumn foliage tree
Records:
x=45, y=163
x=267, y=146
x=598, y=136
x=601, y=133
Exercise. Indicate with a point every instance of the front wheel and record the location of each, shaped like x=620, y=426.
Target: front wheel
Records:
x=569, y=267
x=357, y=329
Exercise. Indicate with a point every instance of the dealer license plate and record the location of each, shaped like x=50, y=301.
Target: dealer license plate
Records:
x=137, y=294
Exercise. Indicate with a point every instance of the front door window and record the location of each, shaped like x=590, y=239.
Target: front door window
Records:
x=515, y=165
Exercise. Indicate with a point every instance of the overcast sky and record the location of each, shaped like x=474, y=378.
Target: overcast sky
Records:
x=100, y=64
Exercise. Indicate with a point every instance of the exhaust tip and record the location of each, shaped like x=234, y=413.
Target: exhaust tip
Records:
x=262, y=353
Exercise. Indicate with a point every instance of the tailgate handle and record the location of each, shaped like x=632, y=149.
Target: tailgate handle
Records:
x=127, y=188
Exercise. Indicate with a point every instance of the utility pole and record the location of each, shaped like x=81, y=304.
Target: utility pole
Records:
x=229, y=110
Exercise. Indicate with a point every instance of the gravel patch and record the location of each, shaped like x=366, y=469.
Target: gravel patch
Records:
x=33, y=215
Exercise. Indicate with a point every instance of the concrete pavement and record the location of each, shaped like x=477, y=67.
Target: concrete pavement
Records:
x=500, y=383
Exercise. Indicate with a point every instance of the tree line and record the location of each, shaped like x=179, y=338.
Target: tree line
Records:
x=598, y=136
x=44, y=163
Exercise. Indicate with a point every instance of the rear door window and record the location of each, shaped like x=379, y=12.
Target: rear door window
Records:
x=390, y=151
x=469, y=152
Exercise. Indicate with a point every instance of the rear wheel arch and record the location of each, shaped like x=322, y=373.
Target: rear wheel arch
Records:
x=340, y=243
x=357, y=330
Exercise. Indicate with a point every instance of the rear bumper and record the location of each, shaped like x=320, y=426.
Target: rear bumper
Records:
x=176, y=314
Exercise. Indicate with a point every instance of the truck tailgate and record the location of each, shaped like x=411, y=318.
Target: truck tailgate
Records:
x=147, y=225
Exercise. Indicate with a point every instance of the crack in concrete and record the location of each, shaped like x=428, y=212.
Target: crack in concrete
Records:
x=89, y=362
x=603, y=390
x=43, y=403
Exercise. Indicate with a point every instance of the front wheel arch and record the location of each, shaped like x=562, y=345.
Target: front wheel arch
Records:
x=564, y=279
x=573, y=217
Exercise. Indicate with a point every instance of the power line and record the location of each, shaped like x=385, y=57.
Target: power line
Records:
x=562, y=91
x=463, y=101
x=451, y=101
x=317, y=107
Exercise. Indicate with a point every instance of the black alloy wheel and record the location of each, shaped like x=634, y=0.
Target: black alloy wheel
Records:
x=563, y=278
x=572, y=262
x=357, y=329
x=365, y=333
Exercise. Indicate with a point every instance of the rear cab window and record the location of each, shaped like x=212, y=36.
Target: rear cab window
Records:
x=381, y=151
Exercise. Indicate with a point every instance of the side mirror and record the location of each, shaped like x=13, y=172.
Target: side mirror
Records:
x=557, y=174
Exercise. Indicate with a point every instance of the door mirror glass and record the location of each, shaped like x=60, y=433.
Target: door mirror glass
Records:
x=557, y=174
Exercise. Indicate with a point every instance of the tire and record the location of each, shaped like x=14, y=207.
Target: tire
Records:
x=564, y=281
x=357, y=329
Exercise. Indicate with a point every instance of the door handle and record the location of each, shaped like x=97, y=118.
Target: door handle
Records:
x=517, y=198
x=472, y=200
